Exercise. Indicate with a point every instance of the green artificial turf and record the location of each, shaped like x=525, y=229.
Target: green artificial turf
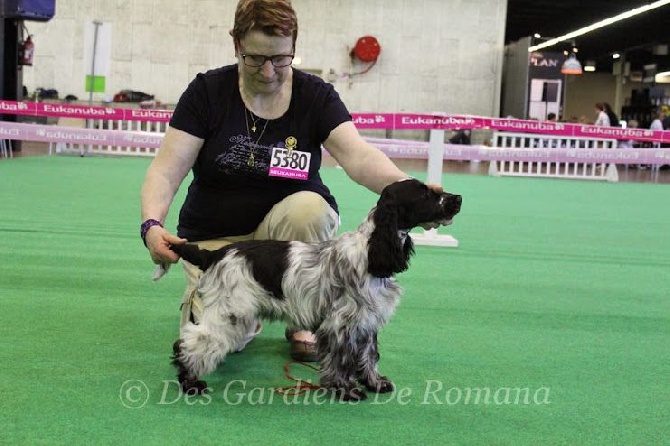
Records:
x=549, y=324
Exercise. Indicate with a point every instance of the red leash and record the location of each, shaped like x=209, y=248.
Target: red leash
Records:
x=301, y=386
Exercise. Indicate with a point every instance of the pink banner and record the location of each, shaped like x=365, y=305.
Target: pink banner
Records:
x=377, y=121
x=393, y=148
x=373, y=121
x=572, y=130
x=408, y=121
x=83, y=111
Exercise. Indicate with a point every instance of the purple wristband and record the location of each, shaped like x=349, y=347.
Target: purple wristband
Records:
x=144, y=228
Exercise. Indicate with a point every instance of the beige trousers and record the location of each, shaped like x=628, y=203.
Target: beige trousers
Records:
x=303, y=216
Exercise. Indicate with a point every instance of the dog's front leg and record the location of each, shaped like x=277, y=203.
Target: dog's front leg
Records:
x=368, y=358
x=338, y=362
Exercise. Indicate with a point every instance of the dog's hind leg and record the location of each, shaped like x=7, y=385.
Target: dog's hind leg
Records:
x=200, y=348
x=368, y=357
x=188, y=380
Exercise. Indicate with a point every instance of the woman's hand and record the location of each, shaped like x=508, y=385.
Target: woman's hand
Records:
x=158, y=241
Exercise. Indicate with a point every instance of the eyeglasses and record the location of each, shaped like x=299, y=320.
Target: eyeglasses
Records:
x=257, y=60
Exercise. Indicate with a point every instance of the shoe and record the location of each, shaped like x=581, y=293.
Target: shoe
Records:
x=304, y=351
x=249, y=337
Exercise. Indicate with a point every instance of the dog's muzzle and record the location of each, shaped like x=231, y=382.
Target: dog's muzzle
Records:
x=451, y=205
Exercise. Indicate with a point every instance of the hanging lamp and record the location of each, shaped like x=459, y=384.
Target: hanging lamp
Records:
x=571, y=65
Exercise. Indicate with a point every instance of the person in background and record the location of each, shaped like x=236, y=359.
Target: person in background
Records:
x=232, y=126
x=614, y=119
x=551, y=116
x=666, y=119
x=460, y=136
x=657, y=123
x=628, y=143
x=602, y=117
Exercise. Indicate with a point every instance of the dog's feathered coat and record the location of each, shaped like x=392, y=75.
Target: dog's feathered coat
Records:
x=341, y=289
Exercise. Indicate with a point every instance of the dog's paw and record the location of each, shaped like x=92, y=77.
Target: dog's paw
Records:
x=352, y=394
x=384, y=385
x=379, y=385
x=194, y=387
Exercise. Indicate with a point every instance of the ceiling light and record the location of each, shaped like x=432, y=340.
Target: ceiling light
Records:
x=600, y=24
x=662, y=78
x=616, y=56
x=590, y=65
x=571, y=66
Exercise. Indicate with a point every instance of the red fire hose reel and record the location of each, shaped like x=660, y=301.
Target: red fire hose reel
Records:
x=366, y=49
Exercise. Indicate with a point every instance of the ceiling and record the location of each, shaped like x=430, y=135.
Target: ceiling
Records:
x=638, y=37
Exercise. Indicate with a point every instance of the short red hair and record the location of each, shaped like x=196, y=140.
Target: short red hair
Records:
x=272, y=17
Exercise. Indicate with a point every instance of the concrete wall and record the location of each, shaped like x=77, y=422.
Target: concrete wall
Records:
x=436, y=55
x=515, y=79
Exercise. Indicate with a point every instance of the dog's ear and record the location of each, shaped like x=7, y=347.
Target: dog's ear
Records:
x=387, y=254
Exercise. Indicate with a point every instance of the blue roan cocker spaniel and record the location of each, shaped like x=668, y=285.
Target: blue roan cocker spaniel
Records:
x=342, y=289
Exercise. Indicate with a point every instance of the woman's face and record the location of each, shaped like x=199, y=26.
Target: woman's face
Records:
x=267, y=78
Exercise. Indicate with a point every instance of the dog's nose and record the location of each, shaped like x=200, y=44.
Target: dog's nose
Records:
x=455, y=203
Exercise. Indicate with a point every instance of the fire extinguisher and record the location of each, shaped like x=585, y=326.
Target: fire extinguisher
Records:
x=26, y=52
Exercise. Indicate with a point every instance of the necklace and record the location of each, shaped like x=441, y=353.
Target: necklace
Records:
x=254, y=121
x=251, y=160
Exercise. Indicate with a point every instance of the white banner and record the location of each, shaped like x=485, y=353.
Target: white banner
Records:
x=97, y=49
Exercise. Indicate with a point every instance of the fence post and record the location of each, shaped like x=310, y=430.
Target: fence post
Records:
x=435, y=160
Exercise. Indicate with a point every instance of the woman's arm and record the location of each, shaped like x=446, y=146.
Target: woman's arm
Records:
x=364, y=163
x=176, y=156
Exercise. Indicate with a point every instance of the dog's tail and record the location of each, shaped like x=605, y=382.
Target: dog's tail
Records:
x=202, y=258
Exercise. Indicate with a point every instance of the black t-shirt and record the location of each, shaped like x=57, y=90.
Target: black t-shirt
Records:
x=239, y=173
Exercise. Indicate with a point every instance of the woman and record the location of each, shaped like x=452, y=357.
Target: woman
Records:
x=601, y=115
x=252, y=133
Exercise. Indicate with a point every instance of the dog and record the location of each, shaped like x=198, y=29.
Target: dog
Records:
x=343, y=290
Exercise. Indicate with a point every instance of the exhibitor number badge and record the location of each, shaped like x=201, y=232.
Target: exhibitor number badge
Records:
x=289, y=163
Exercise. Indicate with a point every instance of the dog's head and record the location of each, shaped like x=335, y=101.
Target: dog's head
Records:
x=415, y=203
x=402, y=206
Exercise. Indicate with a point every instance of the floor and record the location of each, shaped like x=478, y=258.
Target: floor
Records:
x=547, y=325
x=632, y=174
